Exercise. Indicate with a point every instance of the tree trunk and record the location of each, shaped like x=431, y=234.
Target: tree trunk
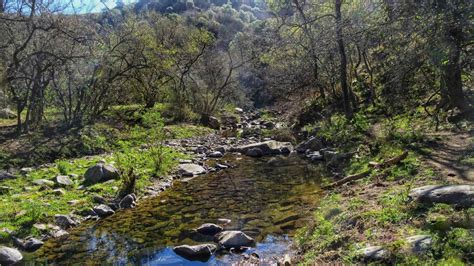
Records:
x=19, y=126
x=343, y=60
x=451, y=81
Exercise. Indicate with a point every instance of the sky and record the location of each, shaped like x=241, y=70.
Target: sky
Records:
x=86, y=6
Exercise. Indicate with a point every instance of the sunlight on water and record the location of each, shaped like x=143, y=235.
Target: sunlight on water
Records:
x=268, y=201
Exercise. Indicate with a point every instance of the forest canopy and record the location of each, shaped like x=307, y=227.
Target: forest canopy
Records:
x=196, y=56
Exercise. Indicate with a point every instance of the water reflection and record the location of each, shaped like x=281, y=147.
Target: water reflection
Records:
x=268, y=201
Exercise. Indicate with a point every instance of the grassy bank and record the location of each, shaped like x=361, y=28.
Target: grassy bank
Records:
x=376, y=210
x=135, y=148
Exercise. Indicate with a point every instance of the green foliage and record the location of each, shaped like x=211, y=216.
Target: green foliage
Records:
x=339, y=130
x=393, y=208
x=62, y=167
x=183, y=131
x=280, y=134
x=405, y=129
x=322, y=234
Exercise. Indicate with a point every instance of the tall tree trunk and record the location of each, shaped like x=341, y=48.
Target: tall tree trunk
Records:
x=2, y=6
x=451, y=81
x=343, y=60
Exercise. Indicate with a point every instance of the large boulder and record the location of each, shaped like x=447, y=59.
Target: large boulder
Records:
x=191, y=169
x=101, y=173
x=267, y=147
x=458, y=195
x=209, y=229
x=9, y=256
x=198, y=252
x=234, y=239
x=7, y=114
x=312, y=144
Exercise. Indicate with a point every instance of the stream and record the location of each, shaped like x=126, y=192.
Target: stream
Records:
x=267, y=198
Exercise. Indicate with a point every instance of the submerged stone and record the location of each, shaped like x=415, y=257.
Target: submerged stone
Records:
x=209, y=229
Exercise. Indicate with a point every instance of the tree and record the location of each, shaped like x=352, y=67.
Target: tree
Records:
x=343, y=59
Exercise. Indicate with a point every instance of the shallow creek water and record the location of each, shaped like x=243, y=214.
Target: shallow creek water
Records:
x=266, y=200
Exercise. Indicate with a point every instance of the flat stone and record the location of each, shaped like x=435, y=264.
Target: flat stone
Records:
x=43, y=182
x=209, y=229
x=221, y=166
x=41, y=227
x=373, y=253
x=59, y=192
x=215, y=154
x=198, y=252
x=234, y=239
x=58, y=233
x=190, y=169
x=267, y=147
x=103, y=210
x=26, y=170
x=9, y=256
x=63, y=180
x=457, y=195
x=419, y=244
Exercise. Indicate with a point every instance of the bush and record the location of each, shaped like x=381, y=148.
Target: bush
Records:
x=338, y=129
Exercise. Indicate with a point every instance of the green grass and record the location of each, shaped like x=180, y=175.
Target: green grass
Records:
x=26, y=203
x=182, y=131
x=384, y=215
